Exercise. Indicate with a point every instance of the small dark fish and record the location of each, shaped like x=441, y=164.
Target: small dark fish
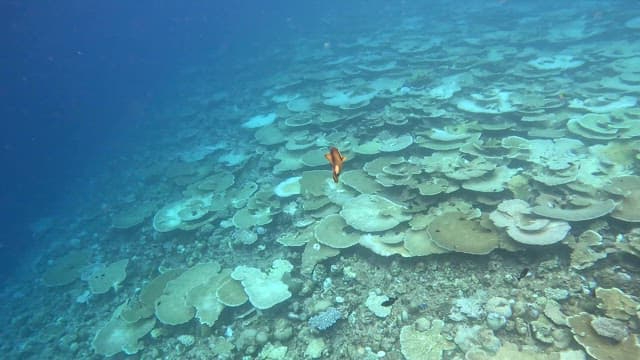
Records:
x=389, y=302
x=523, y=273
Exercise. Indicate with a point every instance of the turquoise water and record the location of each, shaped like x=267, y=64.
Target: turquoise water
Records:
x=410, y=180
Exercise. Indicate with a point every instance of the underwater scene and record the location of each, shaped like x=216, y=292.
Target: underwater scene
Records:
x=416, y=180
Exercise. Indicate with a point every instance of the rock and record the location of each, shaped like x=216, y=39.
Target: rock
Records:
x=495, y=321
x=499, y=305
x=556, y=293
x=521, y=326
x=610, y=328
x=315, y=348
x=561, y=338
x=489, y=341
x=422, y=324
x=542, y=330
x=262, y=337
x=187, y=340
x=283, y=330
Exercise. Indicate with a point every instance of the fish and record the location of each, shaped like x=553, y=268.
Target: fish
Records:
x=523, y=274
x=336, y=159
x=389, y=301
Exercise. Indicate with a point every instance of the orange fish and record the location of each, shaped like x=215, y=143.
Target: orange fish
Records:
x=335, y=159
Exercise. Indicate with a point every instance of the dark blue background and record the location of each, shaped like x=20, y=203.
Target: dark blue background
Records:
x=80, y=79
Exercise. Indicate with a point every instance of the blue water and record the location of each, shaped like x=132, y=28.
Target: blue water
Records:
x=81, y=82
x=109, y=107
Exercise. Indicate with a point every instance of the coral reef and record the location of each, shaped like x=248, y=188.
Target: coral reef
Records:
x=489, y=208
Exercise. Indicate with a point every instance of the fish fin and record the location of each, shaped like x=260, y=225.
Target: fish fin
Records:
x=328, y=157
x=344, y=158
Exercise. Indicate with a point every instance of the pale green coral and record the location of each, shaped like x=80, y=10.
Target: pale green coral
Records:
x=119, y=335
x=173, y=306
x=372, y=213
x=110, y=276
x=66, y=269
x=264, y=290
